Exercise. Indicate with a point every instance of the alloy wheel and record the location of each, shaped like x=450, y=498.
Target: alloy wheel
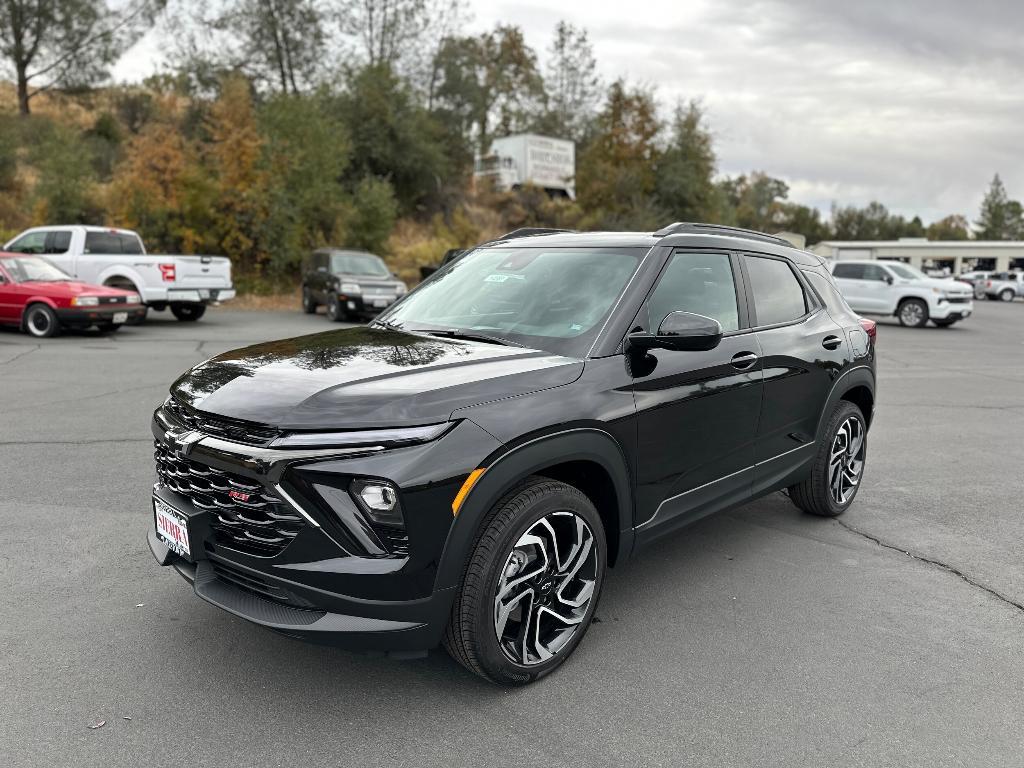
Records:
x=545, y=588
x=911, y=313
x=846, y=460
x=39, y=323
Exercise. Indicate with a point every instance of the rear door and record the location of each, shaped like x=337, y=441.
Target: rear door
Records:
x=696, y=411
x=802, y=349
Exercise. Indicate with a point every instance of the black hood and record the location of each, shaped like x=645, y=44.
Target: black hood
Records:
x=366, y=377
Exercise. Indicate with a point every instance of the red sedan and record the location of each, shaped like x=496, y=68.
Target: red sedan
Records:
x=39, y=298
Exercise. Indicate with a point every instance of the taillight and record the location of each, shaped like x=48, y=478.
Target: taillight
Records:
x=167, y=272
x=870, y=328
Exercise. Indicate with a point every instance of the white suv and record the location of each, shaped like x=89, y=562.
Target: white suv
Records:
x=894, y=288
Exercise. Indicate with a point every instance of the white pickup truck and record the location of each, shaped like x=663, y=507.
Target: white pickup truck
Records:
x=117, y=258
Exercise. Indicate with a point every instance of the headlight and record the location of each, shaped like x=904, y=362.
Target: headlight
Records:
x=401, y=290
x=382, y=437
x=941, y=292
x=351, y=288
x=85, y=301
x=133, y=298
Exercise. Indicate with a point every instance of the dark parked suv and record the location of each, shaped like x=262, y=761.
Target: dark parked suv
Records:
x=464, y=470
x=348, y=283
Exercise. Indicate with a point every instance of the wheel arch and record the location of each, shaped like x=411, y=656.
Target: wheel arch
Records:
x=120, y=280
x=586, y=458
x=857, y=386
x=36, y=300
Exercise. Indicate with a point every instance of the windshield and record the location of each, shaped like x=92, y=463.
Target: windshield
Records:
x=358, y=264
x=555, y=299
x=26, y=269
x=906, y=271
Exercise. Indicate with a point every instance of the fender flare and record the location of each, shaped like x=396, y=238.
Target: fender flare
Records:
x=125, y=273
x=507, y=469
x=855, y=377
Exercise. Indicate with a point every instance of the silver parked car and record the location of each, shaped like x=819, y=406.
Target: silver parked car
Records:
x=1005, y=286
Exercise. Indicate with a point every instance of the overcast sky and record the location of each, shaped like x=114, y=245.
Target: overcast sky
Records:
x=915, y=103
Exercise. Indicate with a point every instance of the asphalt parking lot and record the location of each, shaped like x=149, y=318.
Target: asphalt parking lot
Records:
x=759, y=637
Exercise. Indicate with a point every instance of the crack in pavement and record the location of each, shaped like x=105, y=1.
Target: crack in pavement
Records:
x=35, y=348
x=937, y=563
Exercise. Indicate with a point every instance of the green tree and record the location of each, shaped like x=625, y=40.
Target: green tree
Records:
x=491, y=83
x=572, y=84
x=64, y=191
x=756, y=201
x=685, y=171
x=954, y=227
x=615, y=178
x=66, y=42
x=873, y=222
x=1000, y=218
x=394, y=138
x=373, y=215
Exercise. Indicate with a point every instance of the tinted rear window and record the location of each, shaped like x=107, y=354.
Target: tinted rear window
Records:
x=849, y=271
x=778, y=295
x=112, y=242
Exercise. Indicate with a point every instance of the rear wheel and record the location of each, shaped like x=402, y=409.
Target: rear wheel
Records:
x=309, y=304
x=41, y=321
x=838, y=466
x=1006, y=294
x=188, y=313
x=913, y=313
x=532, y=584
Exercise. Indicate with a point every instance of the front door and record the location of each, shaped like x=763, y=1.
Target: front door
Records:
x=696, y=411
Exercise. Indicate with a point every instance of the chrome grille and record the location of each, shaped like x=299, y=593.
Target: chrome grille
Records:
x=243, y=514
x=236, y=430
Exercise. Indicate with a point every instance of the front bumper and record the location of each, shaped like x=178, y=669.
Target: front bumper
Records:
x=367, y=305
x=320, y=586
x=946, y=310
x=86, y=316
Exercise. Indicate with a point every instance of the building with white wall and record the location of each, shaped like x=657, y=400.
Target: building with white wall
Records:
x=955, y=255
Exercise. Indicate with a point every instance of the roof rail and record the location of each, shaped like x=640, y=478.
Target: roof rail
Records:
x=681, y=227
x=532, y=231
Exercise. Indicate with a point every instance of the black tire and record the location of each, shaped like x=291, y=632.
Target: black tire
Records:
x=814, y=494
x=471, y=637
x=188, y=313
x=40, y=321
x=912, y=313
x=335, y=312
x=309, y=304
x=1006, y=294
x=945, y=323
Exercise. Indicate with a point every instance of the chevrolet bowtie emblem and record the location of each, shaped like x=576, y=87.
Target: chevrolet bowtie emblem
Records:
x=180, y=442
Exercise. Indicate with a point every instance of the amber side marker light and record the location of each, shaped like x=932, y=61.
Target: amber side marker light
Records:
x=467, y=486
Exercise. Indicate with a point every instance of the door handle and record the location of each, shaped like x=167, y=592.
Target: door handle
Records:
x=743, y=360
x=831, y=342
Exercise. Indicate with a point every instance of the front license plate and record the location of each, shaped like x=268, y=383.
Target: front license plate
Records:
x=171, y=528
x=120, y=317
x=380, y=302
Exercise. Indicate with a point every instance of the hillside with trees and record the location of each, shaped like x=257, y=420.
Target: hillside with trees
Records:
x=283, y=125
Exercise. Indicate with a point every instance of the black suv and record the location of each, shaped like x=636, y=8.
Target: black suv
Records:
x=348, y=283
x=465, y=469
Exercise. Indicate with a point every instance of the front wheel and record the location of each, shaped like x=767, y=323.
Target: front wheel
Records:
x=913, y=313
x=1006, y=294
x=41, y=321
x=188, y=313
x=838, y=466
x=532, y=584
x=308, y=302
x=335, y=313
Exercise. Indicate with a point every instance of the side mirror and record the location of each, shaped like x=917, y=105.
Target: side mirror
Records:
x=888, y=279
x=684, y=331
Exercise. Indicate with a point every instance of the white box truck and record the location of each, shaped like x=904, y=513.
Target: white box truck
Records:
x=527, y=158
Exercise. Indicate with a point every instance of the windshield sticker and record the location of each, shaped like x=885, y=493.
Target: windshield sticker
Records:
x=498, y=278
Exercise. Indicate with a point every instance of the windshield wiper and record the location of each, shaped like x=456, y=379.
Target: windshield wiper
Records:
x=388, y=324
x=456, y=333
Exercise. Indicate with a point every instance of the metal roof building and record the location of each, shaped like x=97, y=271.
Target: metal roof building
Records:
x=956, y=255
